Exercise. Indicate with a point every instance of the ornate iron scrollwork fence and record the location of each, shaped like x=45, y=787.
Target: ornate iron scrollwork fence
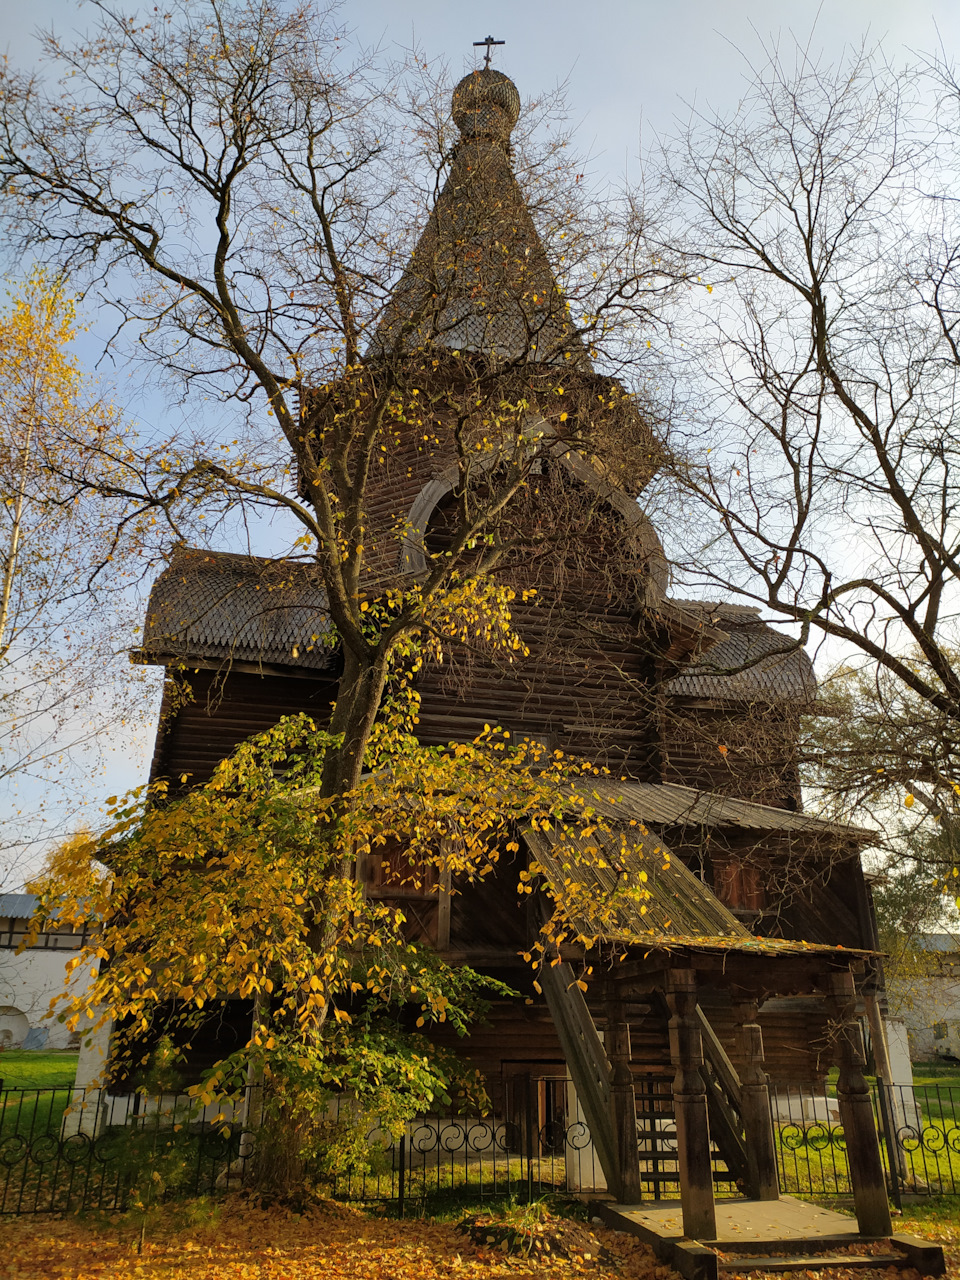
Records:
x=918, y=1125
x=64, y=1149
x=538, y=1145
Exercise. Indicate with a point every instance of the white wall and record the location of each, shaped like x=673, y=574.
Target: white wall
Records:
x=929, y=1007
x=28, y=982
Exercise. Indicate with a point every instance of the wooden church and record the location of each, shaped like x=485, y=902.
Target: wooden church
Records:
x=762, y=961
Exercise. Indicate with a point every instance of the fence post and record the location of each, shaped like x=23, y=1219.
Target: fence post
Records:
x=889, y=1141
x=531, y=1121
x=402, y=1186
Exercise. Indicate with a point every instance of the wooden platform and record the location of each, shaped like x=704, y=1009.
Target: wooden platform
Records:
x=780, y=1232
x=740, y=1221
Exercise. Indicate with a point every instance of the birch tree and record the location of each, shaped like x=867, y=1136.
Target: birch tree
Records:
x=64, y=566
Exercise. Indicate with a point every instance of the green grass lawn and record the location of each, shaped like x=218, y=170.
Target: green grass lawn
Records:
x=946, y=1074
x=37, y=1070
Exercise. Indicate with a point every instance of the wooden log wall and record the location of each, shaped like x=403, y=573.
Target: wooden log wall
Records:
x=587, y=685
x=206, y=714
x=808, y=887
x=517, y=1038
x=739, y=749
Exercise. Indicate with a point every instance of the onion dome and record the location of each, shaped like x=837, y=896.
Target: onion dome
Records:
x=486, y=104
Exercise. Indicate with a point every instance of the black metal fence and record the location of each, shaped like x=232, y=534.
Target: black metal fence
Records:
x=63, y=1149
x=919, y=1128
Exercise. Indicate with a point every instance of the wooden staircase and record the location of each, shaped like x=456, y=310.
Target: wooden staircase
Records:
x=653, y=1090
x=636, y=1047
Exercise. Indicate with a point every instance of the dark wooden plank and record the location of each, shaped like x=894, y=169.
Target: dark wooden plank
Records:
x=716, y=1055
x=922, y=1254
x=586, y=1061
x=817, y=1262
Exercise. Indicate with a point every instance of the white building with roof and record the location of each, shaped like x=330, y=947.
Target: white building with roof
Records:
x=928, y=1000
x=30, y=978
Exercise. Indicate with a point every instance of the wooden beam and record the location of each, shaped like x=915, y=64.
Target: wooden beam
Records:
x=587, y=1063
x=716, y=1055
x=856, y=1112
x=443, y=910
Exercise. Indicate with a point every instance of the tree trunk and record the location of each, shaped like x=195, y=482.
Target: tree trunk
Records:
x=354, y=714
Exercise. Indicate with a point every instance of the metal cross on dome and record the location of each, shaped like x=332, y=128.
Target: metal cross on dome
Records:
x=489, y=42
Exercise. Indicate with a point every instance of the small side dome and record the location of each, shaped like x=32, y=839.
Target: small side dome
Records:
x=486, y=104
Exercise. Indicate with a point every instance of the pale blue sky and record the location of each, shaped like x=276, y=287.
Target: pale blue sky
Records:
x=626, y=61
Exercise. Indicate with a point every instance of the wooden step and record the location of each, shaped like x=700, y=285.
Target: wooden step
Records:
x=852, y=1262
x=657, y=1179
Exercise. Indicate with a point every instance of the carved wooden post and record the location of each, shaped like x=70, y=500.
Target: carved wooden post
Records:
x=690, y=1102
x=755, y=1104
x=856, y=1112
x=623, y=1102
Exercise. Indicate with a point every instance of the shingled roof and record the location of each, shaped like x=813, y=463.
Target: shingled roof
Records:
x=736, y=668
x=479, y=279
x=213, y=605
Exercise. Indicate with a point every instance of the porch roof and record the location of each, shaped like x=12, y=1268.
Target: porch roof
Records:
x=622, y=885
x=666, y=804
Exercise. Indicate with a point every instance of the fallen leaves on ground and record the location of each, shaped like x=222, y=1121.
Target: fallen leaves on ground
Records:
x=941, y=1224
x=331, y=1242
x=548, y=1238
x=336, y=1242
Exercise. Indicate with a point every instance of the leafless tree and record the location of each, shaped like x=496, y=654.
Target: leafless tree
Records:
x=821, y=221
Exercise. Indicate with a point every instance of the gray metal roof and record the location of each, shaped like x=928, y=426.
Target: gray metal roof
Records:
x=736, y=668
x=664, y=804
x=938, y=942
x=17, y=906
x=622, y=886
x=237, y=608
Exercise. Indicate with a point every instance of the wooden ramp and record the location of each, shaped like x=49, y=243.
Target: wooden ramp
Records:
x=765, y=1235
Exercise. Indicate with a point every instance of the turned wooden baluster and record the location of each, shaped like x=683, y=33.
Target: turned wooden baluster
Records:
x=856, y=1111
x=623, y=1102
x=690, y=1103
x=755, y=1104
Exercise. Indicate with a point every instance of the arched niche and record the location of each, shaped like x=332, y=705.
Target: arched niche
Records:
x=14, y=1026
x=413, y=555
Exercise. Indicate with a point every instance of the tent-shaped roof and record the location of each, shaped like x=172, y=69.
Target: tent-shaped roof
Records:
x=479, y=279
